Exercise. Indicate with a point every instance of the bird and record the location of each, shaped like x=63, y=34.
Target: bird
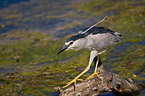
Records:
x=97, y=40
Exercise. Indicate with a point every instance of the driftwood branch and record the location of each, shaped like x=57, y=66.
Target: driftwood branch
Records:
x=111, y=82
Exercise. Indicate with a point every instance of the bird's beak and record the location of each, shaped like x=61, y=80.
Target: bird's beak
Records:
x=62, y=49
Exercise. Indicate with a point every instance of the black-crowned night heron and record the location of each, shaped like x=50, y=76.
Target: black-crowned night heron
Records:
x=96, y=39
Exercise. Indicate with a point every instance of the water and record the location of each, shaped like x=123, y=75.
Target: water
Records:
x=6, y=3
x=126, y=45
x=57, y=7
x=142, y=93
x=106, y=94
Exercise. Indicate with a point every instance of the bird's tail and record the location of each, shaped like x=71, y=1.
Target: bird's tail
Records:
x=119, y=36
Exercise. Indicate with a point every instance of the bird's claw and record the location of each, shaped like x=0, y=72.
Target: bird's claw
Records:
x=80, y=80
x=73, y=81
x=91, y=76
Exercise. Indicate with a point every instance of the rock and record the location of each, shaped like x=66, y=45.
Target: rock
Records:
x=110, y=83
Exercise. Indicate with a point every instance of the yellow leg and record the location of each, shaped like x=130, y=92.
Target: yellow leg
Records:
x=76, y=78
x=93, y=54
x=95, y=72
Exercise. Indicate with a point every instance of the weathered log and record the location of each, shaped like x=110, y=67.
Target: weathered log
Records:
x=111, y=82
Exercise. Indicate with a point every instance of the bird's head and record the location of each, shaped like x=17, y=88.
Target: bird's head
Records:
x=72, y=43
x=68, y=44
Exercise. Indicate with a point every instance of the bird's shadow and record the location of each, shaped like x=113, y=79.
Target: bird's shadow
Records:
x=95, y=61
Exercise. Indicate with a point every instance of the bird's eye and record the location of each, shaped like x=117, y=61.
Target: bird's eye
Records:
x=71, y=43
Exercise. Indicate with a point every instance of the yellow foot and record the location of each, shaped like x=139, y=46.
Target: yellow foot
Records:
x=73, y=81
x=95, y=73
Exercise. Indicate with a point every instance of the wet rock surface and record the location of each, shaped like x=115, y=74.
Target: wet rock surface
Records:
x=110, y=82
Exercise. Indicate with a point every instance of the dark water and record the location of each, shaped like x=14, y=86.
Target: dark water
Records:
x=126, y=45
x=142, y=93
x=118, y=48
x=6, y=3
x=106, y=94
